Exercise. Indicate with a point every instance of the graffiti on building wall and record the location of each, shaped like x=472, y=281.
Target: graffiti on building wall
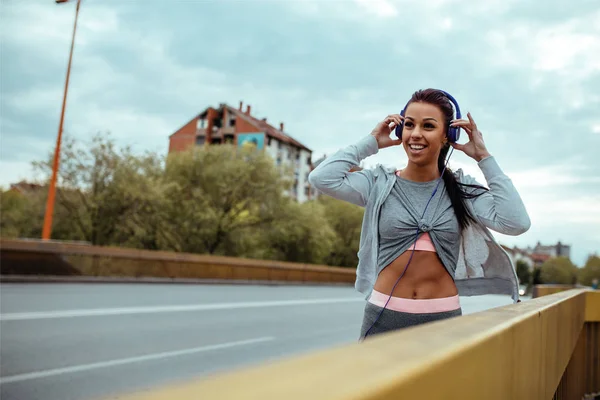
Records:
x=256, y=139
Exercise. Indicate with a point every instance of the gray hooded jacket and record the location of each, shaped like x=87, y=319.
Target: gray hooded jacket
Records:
x=483, y=266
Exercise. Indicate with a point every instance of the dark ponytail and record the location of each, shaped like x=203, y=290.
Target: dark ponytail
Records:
x=456, y=190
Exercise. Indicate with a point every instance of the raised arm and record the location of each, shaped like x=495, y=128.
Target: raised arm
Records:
x=333, y=176
x=500, y=208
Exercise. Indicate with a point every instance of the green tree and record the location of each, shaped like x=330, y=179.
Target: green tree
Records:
x=299, y=233
x=536, y=276
x=590, y=271
x=559, y=270
x=15, y=209
x=217, y=192
x=144, y=220
x=99, y=191
x=523, y=272
x=346, y=220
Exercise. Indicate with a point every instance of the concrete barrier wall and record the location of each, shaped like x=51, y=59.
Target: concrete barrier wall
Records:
x=545, y=290
x=25, y=257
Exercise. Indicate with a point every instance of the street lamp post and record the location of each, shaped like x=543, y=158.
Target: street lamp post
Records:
x=52, y=189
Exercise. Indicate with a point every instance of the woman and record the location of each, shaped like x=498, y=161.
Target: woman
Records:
x=408, y=281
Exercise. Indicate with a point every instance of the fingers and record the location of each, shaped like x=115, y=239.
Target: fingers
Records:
x=473, y=124
x=467, y=126
x=458, y=146
x=469, y=121
x=396, y=119
x=468, y=130
x=461, y=122
x=388, y=142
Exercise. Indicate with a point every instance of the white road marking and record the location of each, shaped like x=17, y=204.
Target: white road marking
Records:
x=130, y=360
x=20, y=316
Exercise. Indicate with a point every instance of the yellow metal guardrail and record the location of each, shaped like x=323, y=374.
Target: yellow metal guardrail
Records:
x=545, y=348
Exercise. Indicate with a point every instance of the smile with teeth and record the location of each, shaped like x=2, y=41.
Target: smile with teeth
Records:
x=416, y=146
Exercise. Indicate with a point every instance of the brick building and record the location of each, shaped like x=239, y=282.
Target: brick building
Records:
x=555, y=250
x=537, y=255
x=24, y=187
x=227, y=124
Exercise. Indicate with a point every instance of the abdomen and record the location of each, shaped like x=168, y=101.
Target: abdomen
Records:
x=425, y=278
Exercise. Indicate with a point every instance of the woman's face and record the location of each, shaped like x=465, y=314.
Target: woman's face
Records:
x=423, y=135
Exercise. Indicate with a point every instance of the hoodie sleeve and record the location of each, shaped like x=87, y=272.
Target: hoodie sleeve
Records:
x=501, y=208
x=333, y=176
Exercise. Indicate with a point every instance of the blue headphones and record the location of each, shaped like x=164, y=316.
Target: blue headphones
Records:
x=453, y=132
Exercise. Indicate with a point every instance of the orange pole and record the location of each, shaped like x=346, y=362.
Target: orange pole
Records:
x=52, y=189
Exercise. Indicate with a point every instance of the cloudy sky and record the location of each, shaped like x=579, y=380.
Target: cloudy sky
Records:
x=528, y=71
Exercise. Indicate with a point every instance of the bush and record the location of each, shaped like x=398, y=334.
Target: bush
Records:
x=558, y=270
x=523, y=272
x=590, y=271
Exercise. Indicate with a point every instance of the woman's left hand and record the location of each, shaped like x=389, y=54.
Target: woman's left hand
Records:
x=475, y=147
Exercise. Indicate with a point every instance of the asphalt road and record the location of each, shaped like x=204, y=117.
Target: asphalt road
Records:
x=88, y=341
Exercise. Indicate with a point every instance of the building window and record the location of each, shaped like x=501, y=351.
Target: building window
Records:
x=200, y=140
x=269, y=141
x=308, y=160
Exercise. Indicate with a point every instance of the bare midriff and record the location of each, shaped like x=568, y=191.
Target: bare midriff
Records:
x=425, y=277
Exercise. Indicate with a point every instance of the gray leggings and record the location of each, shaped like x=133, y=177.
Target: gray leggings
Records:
x=392, y=320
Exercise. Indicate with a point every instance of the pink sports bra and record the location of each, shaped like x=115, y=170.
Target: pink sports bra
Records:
x=424, y=243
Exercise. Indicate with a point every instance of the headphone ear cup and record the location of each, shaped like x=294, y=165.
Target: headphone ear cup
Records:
x=398, y=131
x=453, y=134
x=400, y=127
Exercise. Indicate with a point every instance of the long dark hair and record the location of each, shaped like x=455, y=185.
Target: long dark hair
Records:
x=456, y=190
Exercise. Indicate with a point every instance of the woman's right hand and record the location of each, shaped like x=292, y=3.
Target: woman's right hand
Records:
x=383, y=130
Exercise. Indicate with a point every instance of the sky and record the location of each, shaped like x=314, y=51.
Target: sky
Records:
x=528, y=71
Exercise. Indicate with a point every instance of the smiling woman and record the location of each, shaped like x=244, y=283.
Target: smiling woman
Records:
x=425, y=216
